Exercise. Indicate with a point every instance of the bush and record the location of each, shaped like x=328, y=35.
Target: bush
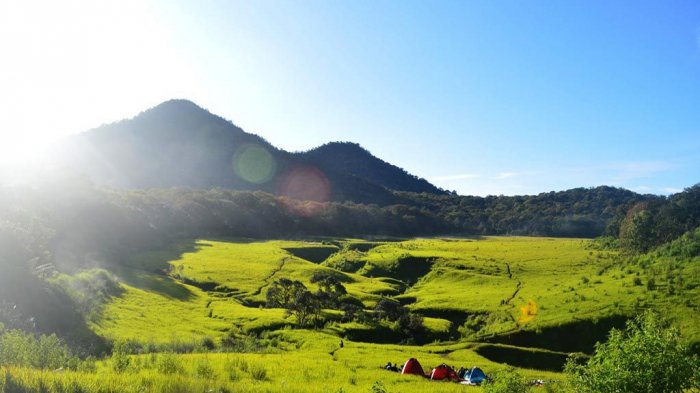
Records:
x=258, y=373
x=168, y=363
x=378, y=387
x=646, y=357
x=208, y=343
x=22, y=349
x=204, y=369
x=120, y=360
x=506, y=381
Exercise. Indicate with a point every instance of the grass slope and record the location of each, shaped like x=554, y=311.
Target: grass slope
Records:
x=499, y=298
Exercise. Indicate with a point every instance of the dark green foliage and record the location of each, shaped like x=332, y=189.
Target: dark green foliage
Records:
x=390, y=309
x=330, y=289
x=648, y=356
x=283, y=292
x=686, y=246
x=579, y=212
x=407, y=324
x=306, y=307
x=650, y=224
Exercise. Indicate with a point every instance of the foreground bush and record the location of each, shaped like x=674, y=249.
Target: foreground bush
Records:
x=22, y=349
x=506, y=381
x=647, y=356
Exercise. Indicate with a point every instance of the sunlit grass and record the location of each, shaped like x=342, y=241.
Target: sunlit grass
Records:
x=529, y=283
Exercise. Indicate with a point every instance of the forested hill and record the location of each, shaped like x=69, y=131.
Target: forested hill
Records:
x=579, y=212
x=351, y=158
x=179, y=144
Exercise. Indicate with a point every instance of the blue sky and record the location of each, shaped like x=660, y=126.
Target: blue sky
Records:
x=481, y=97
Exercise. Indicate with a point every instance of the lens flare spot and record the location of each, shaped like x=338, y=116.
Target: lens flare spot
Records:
x=528, y=312
x=305, y=183
x=254, y=164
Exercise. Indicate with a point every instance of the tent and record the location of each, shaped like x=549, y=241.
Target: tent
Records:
x=475, y=376
x=443, y=371
x=412, y=367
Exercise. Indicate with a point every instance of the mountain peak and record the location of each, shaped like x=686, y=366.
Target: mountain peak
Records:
x=177, y=103
x=176, y=108
x=180, y=144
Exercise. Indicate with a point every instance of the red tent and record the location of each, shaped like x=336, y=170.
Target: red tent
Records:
x=412, y=367
x=443, y=371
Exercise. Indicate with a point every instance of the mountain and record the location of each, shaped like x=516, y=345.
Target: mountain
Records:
x=179, y=144
x=351, y=158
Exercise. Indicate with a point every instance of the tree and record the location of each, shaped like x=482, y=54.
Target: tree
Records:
x=648, y=356
x=330, y=289
x=638, y=229
x=283, y=292
x=306, y=307
x=390, y=309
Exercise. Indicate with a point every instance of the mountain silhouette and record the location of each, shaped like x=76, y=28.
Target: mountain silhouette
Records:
x=179, y=144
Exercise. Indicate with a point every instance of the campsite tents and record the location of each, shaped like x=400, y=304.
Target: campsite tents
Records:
x=475, y=376
x=443, y=371
x=413, y=367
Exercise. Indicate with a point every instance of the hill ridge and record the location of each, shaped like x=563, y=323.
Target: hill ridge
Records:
x=177, y=143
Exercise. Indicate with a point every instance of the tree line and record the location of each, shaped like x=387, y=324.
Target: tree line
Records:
x=68, y=224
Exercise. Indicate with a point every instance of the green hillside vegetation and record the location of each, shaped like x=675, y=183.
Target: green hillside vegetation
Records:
x=116, y=274
x=484, y=301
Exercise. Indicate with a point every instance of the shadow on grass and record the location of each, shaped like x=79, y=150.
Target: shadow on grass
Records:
x=576, y=336
x=160, y=283
x=150, y=270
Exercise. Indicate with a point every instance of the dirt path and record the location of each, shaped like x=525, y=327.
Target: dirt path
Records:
x=517, y=289
x=269, y=277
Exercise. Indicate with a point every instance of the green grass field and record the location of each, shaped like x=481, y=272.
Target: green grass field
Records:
x=523, y=294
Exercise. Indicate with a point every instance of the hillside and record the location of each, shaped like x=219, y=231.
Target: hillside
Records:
x=528, y=302
x=179, y=144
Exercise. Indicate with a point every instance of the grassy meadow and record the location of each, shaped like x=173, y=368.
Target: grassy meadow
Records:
x=485, y=302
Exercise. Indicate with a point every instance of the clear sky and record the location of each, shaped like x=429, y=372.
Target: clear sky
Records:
x=481, y=97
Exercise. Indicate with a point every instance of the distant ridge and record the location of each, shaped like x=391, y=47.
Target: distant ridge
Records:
x=179, y=144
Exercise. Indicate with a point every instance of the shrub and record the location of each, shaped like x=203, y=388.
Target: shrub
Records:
x=651, y=284
x=208, y=343
x=378, y=387
x=506, y=381
x=18, y=348
x=258, y=373
x=120, y=359
x=204, y=369
x=646, y=357
x=168, y=363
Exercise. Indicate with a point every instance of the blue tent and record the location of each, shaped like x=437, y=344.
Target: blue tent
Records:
x=475, y=376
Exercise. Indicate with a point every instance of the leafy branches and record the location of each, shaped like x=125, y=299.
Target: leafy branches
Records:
x=648, y=356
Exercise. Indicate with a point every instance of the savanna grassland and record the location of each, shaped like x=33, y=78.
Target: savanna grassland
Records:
x=193, y=316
